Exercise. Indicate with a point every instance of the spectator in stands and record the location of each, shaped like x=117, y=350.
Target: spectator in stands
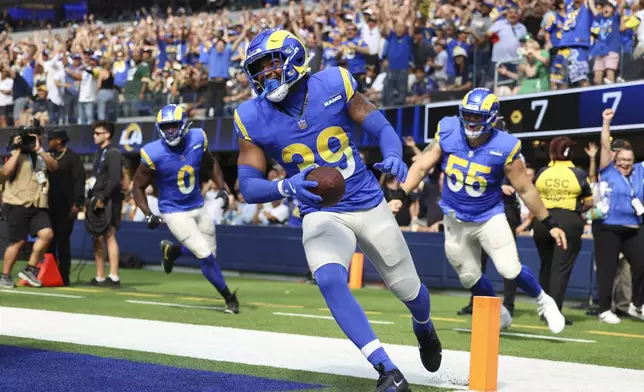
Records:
x=397, y=51
x=88, y=91
x=532, y=75
x=504, y=35
x=22, y=94
x=566, y=193
x=274, y=213
x=219, y=58
x=621, y=228
x=479, y=26
x=72, y=89
x=354, y=51
x=6, y=95
x=606, y=28
x=573, y=55
x=106, y=96
x=138, y=78
x=40, y=106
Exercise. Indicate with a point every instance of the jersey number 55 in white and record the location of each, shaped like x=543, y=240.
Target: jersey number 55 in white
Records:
x=456, y=178
x=324, y=151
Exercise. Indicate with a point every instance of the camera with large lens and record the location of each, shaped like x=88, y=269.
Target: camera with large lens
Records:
x=27, y=138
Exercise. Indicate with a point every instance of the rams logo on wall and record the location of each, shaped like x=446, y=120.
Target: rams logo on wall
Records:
x=131, y=137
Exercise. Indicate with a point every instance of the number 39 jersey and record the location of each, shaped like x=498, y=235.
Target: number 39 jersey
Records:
x=176, y=171
x=321, y=136
x=473, y=176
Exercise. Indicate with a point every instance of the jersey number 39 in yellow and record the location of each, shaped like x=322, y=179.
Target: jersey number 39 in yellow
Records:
x=324, y=151
x=186, y=171
x=456, y=179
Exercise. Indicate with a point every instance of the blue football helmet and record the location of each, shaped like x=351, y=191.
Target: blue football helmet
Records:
x=478, y=112
x=172, y=124
x=286, y=52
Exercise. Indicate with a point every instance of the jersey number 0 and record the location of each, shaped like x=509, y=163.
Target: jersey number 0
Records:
x=186, y=171
x=324, y=151
x=456, y=179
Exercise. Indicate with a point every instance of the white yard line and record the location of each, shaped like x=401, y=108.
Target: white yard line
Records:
x=309, y=353
x=533, y=336
x=315, y=316
x=17, y=291
x=174, y=305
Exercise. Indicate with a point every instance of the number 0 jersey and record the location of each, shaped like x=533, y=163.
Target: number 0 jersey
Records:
x=321, y=136
x=176, y=171
x=473, y=176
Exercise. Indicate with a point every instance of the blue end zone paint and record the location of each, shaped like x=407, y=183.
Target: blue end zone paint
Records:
x=29, y=369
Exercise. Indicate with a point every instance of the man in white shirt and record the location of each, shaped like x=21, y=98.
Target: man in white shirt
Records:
x=55, y=81
x=6, y=95
x=274, y=213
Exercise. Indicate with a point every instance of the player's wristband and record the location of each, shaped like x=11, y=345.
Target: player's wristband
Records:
x=399, y=194
x=549, y=223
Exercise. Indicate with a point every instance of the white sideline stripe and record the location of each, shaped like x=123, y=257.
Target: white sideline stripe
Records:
x=533, y=336
x=132, y=301
x=18, y=291
x=325, y=317
x=308, y=353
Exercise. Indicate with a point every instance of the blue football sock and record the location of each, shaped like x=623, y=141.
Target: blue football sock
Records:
x=419, y=308
x=332, y=281
x=211, y=271
x=185, y=251
x=483, y=288
x=527, y=282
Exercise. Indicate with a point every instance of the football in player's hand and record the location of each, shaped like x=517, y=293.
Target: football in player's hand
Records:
x=330, y=184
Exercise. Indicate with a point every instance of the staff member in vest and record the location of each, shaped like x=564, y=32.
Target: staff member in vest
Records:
x=108, y=172
x=619, y=230
x=67, y=195
x=565, y=191
x=25, y=203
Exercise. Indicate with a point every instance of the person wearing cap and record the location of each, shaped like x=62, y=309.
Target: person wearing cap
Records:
x=72, y=88
x=620, y=228
x=66, y=198
x=88, y=91
x=566, y=193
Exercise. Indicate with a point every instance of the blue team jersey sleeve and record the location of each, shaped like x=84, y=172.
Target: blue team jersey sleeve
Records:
x=243, y=120
x=515, y=153
x=146, y=157
x=340, y=81
x=444, y=130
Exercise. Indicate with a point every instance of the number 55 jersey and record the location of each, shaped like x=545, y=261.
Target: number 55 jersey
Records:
x=176, y=171
x=321, y=136
x=473, y=176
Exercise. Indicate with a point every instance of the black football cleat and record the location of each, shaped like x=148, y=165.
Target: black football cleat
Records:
x=391, y=381
x=430, y=351
x=170, y=252
x=232, y=305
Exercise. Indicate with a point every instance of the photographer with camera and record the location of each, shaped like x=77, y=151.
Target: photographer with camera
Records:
x=25, y=202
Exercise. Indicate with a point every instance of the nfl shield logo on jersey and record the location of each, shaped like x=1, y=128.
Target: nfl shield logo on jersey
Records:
x=302, y=124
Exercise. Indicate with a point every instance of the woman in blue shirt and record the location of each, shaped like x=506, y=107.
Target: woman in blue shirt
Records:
x=619, y=230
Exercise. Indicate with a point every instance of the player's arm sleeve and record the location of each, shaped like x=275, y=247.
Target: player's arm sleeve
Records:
x=514, y=154
x=350, y=85
x=240, y=128
x=256, y=188
x=205, y=140
x=146, y=160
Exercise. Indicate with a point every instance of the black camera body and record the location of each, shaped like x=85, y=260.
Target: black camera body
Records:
x=28, y=140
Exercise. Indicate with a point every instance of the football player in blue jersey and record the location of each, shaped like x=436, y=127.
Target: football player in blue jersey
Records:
x=304, y=120
x=177, y=161
x=475, y=158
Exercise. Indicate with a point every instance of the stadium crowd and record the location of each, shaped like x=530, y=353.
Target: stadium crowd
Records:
x=401, y=52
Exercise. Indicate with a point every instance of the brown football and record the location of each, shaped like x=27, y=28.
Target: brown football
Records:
x=330, y=184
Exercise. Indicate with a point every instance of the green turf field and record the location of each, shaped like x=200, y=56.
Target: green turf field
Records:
x=260, y=300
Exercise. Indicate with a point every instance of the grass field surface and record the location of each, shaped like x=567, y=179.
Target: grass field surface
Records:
x=272, y=306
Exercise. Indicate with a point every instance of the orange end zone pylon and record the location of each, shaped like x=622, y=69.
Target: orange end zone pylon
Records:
x=484, y=350
x=49, y=274
x=356, y=270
